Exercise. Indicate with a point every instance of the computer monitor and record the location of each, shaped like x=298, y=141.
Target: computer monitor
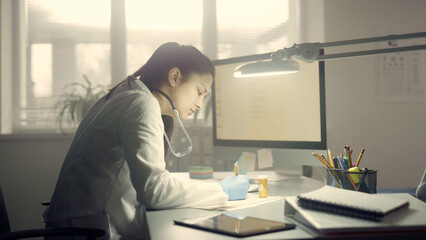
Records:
x=285, y=113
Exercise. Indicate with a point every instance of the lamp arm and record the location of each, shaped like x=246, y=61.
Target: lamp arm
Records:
x=309, y=52
x=371, y=52
x=373, y=39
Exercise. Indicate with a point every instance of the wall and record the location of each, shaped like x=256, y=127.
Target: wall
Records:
x=392, y=130
x=29, y=168
x=6, y=58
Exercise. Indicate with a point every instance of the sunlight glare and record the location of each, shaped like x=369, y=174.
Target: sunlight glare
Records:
x=78, y=12
x=164, y=14
x=251, y=13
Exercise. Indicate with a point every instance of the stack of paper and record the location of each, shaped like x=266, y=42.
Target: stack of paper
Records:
x=318, y=222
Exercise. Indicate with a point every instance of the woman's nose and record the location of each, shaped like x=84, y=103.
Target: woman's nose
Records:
x=199, y=105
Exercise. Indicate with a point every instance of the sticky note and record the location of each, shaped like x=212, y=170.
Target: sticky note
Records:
x=200, y=172
x=264, y=159
x=247, y=162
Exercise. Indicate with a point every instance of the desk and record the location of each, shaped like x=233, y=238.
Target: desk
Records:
x=161, y=224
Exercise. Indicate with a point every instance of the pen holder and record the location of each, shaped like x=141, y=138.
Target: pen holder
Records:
x=363, y=181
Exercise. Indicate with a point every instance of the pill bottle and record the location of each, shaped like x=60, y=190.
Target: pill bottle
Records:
x=263, y=186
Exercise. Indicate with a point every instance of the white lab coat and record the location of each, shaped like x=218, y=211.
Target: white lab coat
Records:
x=115, y=167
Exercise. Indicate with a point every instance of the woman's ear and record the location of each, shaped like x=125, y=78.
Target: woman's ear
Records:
x=174, y=76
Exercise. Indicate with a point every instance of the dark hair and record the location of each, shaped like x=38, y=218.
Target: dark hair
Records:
x=171, y=55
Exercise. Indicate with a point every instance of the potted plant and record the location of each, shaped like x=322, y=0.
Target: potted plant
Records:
x=76, y=101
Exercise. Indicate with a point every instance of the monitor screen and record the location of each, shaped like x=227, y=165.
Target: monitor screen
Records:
x=285, y=111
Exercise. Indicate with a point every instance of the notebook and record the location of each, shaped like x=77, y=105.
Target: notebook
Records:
x=351, y=203
x=320, y=223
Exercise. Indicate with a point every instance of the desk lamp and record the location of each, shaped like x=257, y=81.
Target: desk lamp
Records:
x=282, y=63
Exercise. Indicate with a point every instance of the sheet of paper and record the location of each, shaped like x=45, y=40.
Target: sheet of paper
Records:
x=264, y=158
x=272, y=176
x=253, y=188
x=251, y=201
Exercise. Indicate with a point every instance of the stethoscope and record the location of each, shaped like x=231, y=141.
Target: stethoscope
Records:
x=177, y=154
x=189, y=150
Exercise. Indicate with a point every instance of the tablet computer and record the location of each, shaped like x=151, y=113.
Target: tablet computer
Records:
x=235, y=225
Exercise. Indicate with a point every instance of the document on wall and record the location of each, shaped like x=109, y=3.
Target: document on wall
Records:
x=400, y=76
x=252, y=200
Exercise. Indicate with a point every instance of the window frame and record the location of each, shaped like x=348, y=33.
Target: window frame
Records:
x=17, y=76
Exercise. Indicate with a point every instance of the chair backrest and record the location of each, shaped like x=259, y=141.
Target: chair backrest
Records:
x=4, y=218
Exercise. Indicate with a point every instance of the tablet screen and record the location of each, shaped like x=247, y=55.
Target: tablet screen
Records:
x=235, y=225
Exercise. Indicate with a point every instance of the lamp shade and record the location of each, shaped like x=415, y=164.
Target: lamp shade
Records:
x=266, y=68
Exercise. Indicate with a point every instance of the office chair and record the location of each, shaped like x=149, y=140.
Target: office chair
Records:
x=5, y=233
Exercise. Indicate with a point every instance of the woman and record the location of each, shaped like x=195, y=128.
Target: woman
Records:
x=115, y=165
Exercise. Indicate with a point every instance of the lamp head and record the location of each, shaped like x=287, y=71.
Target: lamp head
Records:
x=307, y=52
x=266, y=68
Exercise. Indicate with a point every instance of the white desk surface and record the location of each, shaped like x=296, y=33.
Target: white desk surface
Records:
x=161, y=224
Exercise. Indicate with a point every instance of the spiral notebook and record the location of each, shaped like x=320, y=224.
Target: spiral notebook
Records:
x=351, y=203
x=319, y=223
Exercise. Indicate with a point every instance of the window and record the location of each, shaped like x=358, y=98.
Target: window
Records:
x=250, y=27
x=151, y=23
x=64, y=40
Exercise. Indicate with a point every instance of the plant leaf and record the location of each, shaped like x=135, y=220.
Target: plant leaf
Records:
x=75, y=101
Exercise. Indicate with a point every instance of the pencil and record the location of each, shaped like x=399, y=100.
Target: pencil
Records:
x=318, y=157
x=325, y=160
x=352, y=181
x=350, y=156
x=331, y=159
x=321, y=159
x=359, y=157
x=236, y=167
